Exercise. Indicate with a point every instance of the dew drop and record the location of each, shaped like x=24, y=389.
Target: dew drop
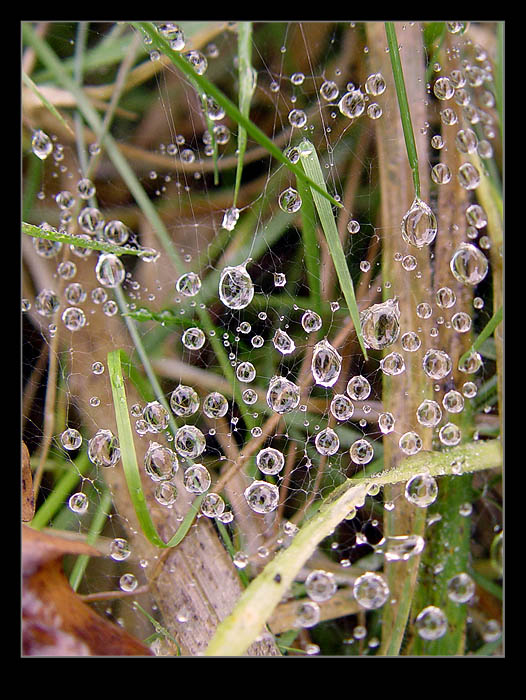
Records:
x=110, y=270
x=270, y=461
x=262, y=497
x=156, y=416
x=119, y=549
x=283, y=395
x=289, y=201
x=370, y=590
x=460, y=588
x=311, y=321
x=437, y=364
x=160, y=462
x=188, y=284
x=236, y=289
x=197, y=479
x=326, y=364
x=469, y=265
x=71, y=439
x=189, y=441
x=184, y=400
x=361, y=451
x=419, y=224
x=41, y=144
x=358, y=388
x=352, y=104
x=401, y=547
x=380, y=324
x=283, y=342
x=421, y=490
x=320, y=585
x=193, y=338
x=103, y=449
x=327, y=442
x=341, y=407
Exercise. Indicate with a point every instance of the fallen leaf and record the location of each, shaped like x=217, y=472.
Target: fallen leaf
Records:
x=28, y=501
x=55, y=621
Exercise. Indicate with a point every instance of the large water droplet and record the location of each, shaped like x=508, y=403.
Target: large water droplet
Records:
x=289, y=200
x=437, y=364
x=421, y=490
x=197, y=478
x=320, y=585
x=110, y=271
x=358, y=388
x=270, y=461
x=419, y=225
x=188, y=284
x=189, y=441
x=361, y=451
x=236, y=290
x=341, y=407
x=215, y=405
x=311, y=321
x=184, y=400
x=401, y=547
x=41, y=144
x=103, y=449
x=262, y=497
x=193, y=338
x=283, y=395
x=326, y=364
x=461, y=588
x=352, y=104
x=469, y=265
x=71, y=439
x=160, y=462
x=370, y=590
x=327, y=442
x=429, y=413
x=283, y=342
x=156, y=416
x=431, y=623
x=380, y=324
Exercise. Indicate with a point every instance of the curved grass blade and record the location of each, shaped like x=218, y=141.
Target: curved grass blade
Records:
x=255, y=605
x=247, y=85
x=311, y=165
x=405, y=114
x=68, y=239
x=202, y=84
x=129, y=461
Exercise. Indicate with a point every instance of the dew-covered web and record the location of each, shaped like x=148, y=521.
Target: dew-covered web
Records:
x=233, y=303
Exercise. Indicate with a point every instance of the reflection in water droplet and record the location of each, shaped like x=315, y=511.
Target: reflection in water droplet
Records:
x=283, y=395
x=103, y=449
x=460, y=588
x=262, y=497
x=189, y=441
x=215, y=405
x=421, y=490
x=431, y=623
x=236, y=290
x=401, y=547
x=320, y=585
x=437, y=364
x=380, y=324
x=283, y=342
x=289, y=200
x=469, y=265
x=326, y=364
x=270, y=461
x=193, y=338
x=341, y=407
x=197, y=478
x=188, y=284
x=160, y=462
x=370, y=590
x=419, y=224
x=110, y=271
x=311, y=321
x=78, y=503
x=184, y=400
x=327, y=442
x=358, y=388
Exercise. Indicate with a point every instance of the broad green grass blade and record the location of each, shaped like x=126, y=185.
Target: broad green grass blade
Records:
x=405, y=113
x=129, y=461
x=255, y=605
x=68, y=239
x=202, y=84
x=247, y=85
x=310, y=244
x=311, y=165
x=54, y=111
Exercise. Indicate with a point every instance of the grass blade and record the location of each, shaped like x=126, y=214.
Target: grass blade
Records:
x=237, y=631
x=54, y=111
x=310, y=244
x=401, y=94
x=311, y=165
x=68, y=239
x=129, y=461
x=247, y=85
x=202, y=84
x=484, y=334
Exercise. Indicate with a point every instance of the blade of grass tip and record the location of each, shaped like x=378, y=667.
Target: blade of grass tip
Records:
x=247, y=85
x=403, y=104
x=129, y=461
x=202, y=84
x=68, y=239
x=54, y=111
x=95, y=529
x=238, y=630
x=484, y=334
x=310, y=244
x=311, y=165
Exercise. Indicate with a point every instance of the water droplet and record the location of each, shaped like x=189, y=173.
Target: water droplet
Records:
x=165, y=493
x=307, y=614
x=262, y=497
x=441, y=174
x=160, y=462
x=230, y=218
x=471, y=364
x=375, y=84
x=450, y=434
x=297, y=118
x=401, y=547
x=353, y=226
x=469, y=265
x=246, y=372
x=174, y=34
x=341, y=407
x=197, y=60
x=283, y=342
x=283, y=395
x=47, y=302
x=289, y=201
x=410, y=341
x=116, y=232
x=358, y=388
x=466, y=141
x=329, y=91
x=453, y=401
x=188, y=284
x=103, y=449
x=410, y=443
x=41, y=144
x=361, y=451
x=492, y=631
x=311, y=321
x=443, y=88
x=352, y=104
x=429, y=413
x=431, y=623
x=189, y=441
x=71, y=439
x=392, y=364
x=326, y=364
x=270, y=461
x=460, y=588
x=380, y=324
x=236, y=290
x=327, y=442
x=197, y=479
x=386, y=422
x=419, y=225
x=468, y=176
x=421, y=490
x=437, y=364
x=128, y=582
x=370, y=590
x=119, y=549
x=156, y=416
x=78, y=503
x=184, y=400
x=110, y=270
x=193, y=338
x=320, y=585
x=74, y=318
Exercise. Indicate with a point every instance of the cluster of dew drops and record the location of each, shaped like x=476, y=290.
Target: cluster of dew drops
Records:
x=380, y=327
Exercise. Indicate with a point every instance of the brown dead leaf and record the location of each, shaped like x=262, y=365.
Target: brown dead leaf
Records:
x=28, y=501
x=55, y=621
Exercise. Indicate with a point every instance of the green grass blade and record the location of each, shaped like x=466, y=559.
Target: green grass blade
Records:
x=237, y=631
x=202, y=84
x=484, y=334
x=129, y=461
x=310, y=244
x=54, y=111
x=247, y=85
x=311, y=165
x=68, y=239
x=405, y=113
